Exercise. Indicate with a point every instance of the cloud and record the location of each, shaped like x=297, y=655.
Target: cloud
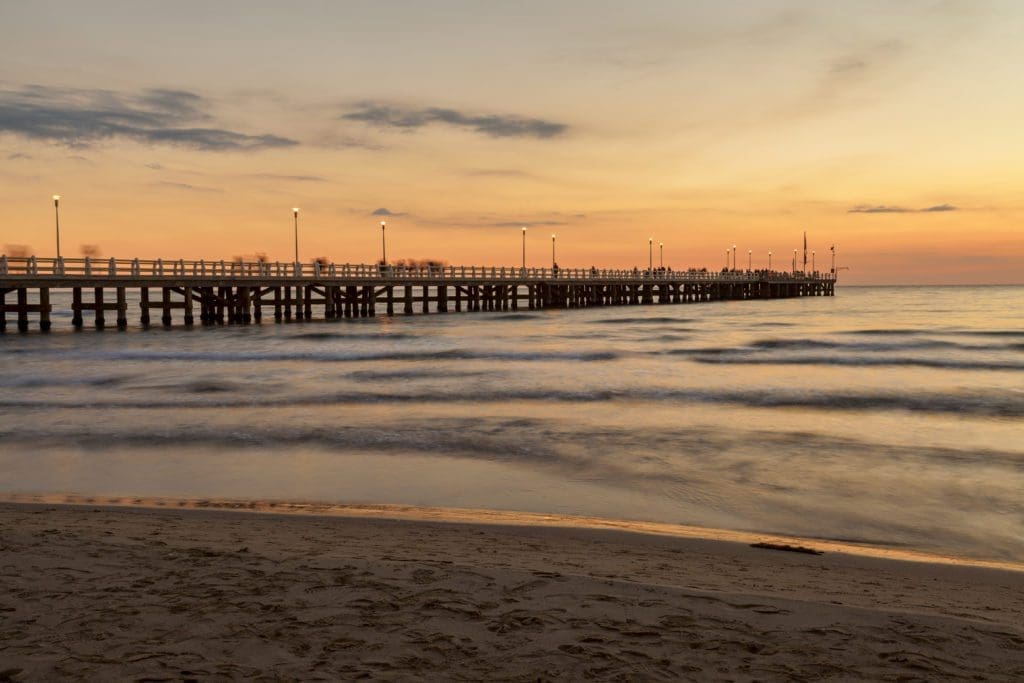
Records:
x=491, y=125
x=18, y=155
x=498, y=173
x=155, y=166
x=882, y=208
x=186, y=186
x=525, y=224
x=385, y=212
x=285, y=176
x=80, y=117
x=848, y=64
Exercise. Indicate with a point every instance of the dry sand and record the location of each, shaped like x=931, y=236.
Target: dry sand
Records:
x=135, y=593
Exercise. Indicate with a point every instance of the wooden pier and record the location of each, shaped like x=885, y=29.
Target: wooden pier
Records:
x=217, y=293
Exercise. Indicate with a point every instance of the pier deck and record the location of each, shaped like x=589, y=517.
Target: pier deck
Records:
x=219, y=292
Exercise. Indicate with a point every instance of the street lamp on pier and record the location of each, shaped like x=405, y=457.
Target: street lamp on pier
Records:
x=383, y=244
x=814, y=268
x=750, y=256
x=56, y=215
x=554, y=263
x=794, y=262
x=524, y=247
x=650, y=254
x=769, y=261
x=661, y=255
x=295, y=216
x=734, y=257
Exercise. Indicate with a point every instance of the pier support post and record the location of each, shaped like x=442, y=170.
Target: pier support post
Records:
x=288, y=304
x=328, y=302
x=389, y=298
x=257, y=304
x=76, y=308
x=166, y=317
x=243, y=313
x=22, y=310
x=143, y=305
x=189, y=319
x=122, y=309
x=408, y=299
x=101, y=320
x=44, y=309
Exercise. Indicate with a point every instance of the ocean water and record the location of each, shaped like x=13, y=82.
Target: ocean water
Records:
x=886, y=416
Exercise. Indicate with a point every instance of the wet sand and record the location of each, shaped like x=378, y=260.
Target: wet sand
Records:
x=171, y=592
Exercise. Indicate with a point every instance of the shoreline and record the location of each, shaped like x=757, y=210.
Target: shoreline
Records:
x=416, y=513
x=115, y=592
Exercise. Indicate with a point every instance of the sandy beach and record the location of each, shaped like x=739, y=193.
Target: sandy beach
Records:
x=102, y=592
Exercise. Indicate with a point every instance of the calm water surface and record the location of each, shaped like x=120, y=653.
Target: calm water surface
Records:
x=891, y=416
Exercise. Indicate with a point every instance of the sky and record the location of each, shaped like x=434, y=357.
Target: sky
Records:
x=191, y=129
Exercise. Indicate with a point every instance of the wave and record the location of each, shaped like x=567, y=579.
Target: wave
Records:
x=345, y=357
x=342, y=336
x=726, y=357
x=655, y=320
x=862, y=346
x=401, y=375
x=979, y=404
x=39, y=382
x=910, y=332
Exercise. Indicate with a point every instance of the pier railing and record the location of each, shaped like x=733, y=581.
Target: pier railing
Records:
x=12, y=266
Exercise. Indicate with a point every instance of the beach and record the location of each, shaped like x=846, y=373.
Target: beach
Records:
x=159, y=590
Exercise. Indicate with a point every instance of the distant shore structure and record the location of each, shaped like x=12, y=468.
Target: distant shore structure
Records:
x=239, y=292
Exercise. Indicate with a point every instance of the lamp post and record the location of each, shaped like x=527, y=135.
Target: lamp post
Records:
x=553, y=262
x=661, y=255
x=794, y=262
x=769, y=261
x=833, y=259
x=814, y=268
x=734, y=257
x=727, y=259
x=524, y=248
x=383, y=243
x=295, y=215
x=56, y=215
x=650, y=254
x=750, y=256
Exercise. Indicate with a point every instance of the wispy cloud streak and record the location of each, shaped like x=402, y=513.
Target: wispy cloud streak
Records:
x=78, y=117
x=491, y=125
x=883, y=208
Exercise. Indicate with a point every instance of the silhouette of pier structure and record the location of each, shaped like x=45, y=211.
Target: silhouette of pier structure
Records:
x=226, y=292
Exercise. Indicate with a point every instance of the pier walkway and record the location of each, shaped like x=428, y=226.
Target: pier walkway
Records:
x=241, y=292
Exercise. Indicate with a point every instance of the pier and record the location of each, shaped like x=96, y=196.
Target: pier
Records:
x=234, y=292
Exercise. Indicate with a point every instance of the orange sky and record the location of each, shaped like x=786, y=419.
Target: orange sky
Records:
x=190, y=131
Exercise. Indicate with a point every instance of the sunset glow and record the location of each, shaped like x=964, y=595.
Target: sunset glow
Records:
x=892, y=132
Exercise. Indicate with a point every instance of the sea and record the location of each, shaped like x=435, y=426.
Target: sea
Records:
x=886, y=416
